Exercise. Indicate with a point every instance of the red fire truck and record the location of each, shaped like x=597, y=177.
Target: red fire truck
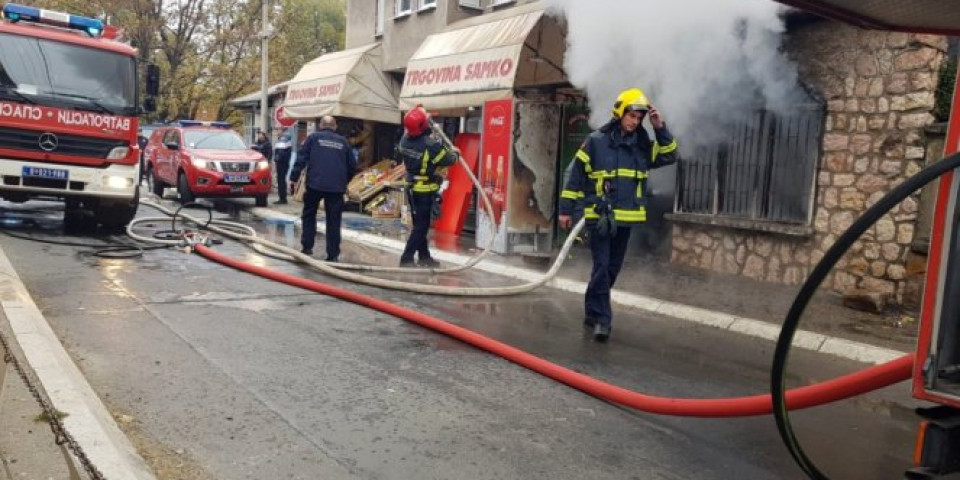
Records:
x=68, y=114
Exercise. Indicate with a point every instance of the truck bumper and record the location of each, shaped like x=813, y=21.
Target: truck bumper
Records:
x=21, y=179
x=937, y=453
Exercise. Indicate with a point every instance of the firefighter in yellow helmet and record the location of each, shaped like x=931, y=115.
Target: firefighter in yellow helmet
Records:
x=609, y=175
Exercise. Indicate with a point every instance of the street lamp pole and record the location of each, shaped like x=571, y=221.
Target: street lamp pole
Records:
x=264, y=63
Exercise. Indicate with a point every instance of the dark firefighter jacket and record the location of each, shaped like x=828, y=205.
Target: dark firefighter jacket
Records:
x=609, y=164
x=422, y=156
x=329, y=162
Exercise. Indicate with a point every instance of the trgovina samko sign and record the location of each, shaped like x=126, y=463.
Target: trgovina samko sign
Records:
x=317, y=91
x=492, y=69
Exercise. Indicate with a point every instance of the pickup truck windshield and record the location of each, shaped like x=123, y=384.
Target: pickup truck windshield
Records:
x=207, y=140
x=56, y=74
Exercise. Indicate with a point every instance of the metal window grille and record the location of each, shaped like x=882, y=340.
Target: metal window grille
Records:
x=766, y=171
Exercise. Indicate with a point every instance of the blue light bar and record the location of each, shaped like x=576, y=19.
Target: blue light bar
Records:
x=198, y=123
x=17, y=13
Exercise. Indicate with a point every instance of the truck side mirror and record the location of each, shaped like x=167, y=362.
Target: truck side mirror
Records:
x=150, y=104
x=152, y=87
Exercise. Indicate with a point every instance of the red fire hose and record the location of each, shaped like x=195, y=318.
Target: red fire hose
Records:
x=839, y=388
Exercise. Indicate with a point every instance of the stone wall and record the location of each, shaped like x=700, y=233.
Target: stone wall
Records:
x=879, y=93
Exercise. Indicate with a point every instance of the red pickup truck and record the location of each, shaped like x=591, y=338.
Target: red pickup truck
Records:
x=205, y=160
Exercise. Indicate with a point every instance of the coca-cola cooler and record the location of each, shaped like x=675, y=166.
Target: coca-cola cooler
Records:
x=518, y=168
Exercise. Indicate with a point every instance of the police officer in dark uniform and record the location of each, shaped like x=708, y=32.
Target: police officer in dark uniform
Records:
x=281, y=158
x=142, y=141
x=422, y=154
x=609, y=175
x=330, y=165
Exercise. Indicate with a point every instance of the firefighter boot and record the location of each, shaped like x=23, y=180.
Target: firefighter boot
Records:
x=601, y=333
x=428, y=263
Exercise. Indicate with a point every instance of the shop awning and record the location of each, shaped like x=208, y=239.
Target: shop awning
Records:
x=485, y=58
x=253, y=99
x=349, y=83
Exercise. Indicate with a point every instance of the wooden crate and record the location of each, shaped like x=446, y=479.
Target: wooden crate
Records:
x=388, y=204
x=369, y=183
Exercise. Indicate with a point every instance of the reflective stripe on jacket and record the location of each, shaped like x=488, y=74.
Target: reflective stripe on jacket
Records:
x=422, y=156
x=608, y=162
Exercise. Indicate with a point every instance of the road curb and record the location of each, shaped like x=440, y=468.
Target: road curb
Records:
x=88, y=420
x=806, y=340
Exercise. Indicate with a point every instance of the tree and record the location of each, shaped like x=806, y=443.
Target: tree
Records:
x=208, y=51
x=306, y=29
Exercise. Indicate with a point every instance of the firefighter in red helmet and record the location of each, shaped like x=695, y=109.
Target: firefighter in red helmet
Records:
x=422, y=153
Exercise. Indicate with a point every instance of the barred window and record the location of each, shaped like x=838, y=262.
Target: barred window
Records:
x=766, y=171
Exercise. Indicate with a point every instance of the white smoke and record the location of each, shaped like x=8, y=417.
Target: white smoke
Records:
x=704, y=63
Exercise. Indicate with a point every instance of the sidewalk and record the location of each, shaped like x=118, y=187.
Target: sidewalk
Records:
x=730, y=302
x=27, y=448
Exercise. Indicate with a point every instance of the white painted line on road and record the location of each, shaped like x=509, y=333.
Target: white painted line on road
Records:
x=803, y=339
x=766, y=330
x=88, y=419
x=859, y=351
x=699, y=315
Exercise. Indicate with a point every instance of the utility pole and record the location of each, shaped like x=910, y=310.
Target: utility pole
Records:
x=264, y=64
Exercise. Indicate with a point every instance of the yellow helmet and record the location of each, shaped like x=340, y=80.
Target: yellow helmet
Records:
x=630, y=100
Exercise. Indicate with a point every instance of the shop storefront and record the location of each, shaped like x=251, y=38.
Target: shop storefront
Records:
x=506, y=67
x=350, y=86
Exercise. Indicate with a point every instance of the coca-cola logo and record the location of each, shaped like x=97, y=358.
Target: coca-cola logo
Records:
x=497, y=121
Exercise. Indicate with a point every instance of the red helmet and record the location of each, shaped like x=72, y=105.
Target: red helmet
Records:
x=415, y=122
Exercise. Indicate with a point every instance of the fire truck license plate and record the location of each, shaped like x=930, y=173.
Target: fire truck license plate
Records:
x=236, y=178
x=43, y=172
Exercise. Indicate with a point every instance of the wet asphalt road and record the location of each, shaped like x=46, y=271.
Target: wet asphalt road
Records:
x=217, y=374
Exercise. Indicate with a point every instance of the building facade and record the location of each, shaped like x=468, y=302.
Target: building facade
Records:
x=402, y=25
x=877, y=92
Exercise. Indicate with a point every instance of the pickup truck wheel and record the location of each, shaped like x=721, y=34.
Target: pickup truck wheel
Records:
x=186, y=196
x=156, y=186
